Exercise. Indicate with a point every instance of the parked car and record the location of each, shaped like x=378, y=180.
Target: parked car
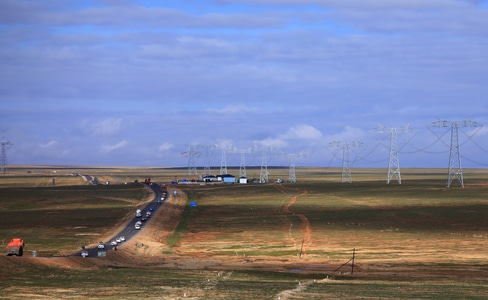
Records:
x=101, y=245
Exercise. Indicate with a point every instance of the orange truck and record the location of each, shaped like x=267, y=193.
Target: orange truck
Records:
x=15, y=247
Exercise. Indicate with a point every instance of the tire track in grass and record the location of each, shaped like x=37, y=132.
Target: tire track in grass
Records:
x=305, y=228
x=286, y=294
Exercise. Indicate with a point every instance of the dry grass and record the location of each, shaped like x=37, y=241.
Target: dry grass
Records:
x=414, y=240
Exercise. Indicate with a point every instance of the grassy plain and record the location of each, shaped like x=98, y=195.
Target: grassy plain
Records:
x=417, y=240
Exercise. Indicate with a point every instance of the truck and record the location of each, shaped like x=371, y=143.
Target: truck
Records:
x=15, y=247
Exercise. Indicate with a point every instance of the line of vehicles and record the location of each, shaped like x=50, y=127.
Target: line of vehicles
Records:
x=16, y=246
x=141, y=216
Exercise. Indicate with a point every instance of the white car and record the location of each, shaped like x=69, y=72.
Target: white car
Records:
x=84, y=253
x=137, y=226
x=101, y=245
x=122, y=238
x=113, y=243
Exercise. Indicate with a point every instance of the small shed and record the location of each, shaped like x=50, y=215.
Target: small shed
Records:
x=226, y=178
x=209, y=178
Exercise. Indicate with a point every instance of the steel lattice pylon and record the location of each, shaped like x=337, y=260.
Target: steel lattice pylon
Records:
x=223, y=163
x=292, y=177
x=192, y=169
x=394, y=160
x=263, y=175
x=455, y=170
x=242, y=167
x=346, y=164
x=346, y=175
x=223, y=157
x=3, y=156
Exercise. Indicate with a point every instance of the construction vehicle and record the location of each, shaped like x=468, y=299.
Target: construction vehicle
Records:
x=15, y=247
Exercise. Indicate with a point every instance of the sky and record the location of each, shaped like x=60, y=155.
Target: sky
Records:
x=290, y=82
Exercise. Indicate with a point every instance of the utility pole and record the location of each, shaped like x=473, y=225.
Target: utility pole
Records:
x=394, y=161
x=3, y=156
x=346, y=165
x=455, y=171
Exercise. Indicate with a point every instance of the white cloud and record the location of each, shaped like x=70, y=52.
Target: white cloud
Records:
x=291, y=137
x=107, y=148
x=106, y=127
x=233, y=109
x=274, y=143
x=349, y=134
x=165, y=146
x=303, y=131
x=49, y=144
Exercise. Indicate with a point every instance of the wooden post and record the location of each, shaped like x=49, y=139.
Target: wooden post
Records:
x=352, y=265
x=301, y=249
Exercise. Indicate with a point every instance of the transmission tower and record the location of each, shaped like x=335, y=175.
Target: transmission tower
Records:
x=223, y=162
x=191, y=154
x=3, y=156
x=206, y=158
x=242, y=167
x=346, y=165
x=394, y=162
x=264, y=174
x=455, y=171
x=292, y=158
x=223, y=159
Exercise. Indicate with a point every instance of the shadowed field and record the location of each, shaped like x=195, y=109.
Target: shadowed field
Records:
x=252, y=241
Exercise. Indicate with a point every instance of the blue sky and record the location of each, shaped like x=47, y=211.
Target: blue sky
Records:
x=135, y=83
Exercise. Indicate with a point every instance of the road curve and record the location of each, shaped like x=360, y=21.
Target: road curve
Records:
x=129, y=231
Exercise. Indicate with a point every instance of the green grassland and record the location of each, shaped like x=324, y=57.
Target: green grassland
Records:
x=436, y=237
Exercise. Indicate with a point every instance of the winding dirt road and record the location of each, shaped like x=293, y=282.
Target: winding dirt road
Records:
x=306, y=229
